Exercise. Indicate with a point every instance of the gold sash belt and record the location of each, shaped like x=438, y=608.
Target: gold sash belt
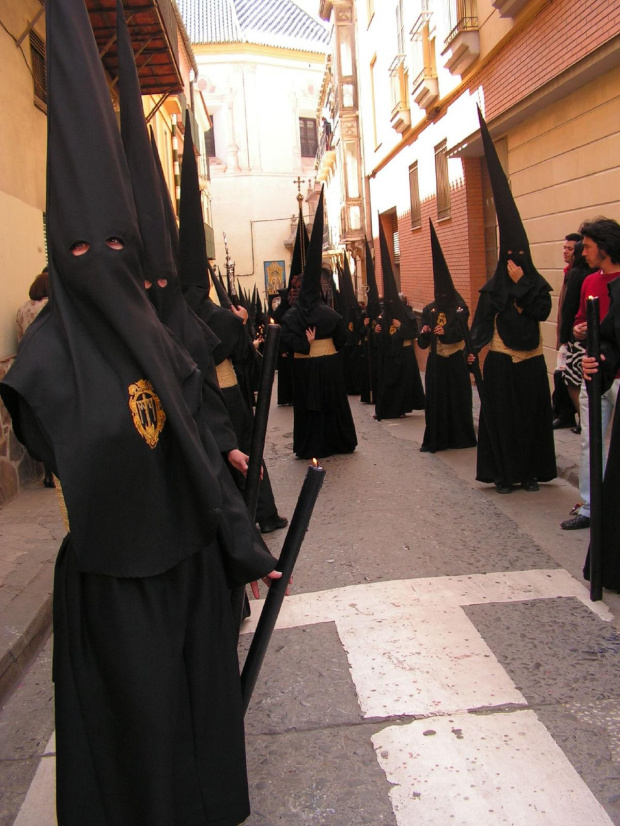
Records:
x=226, y=376
x=446, y=350
x=407, y=342
x=319, y=347
x=61, y=502
x=498, y=346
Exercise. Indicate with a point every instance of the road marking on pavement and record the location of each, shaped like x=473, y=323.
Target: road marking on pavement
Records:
x=478, y=769
x=413, y=651
x=39, y=809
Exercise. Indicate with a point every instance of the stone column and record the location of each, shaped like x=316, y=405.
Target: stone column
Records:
x=232, y=150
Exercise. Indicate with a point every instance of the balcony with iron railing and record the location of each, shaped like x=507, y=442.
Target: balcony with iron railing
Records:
x=462, y=44
x=462, y=17
x=509, y=8
x=400, y=117
x=326, y=153
x=425, y=85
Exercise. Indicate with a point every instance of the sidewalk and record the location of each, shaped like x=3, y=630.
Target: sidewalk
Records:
x=31, y=531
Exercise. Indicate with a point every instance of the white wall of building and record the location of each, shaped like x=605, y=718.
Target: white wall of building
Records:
x=255, y=100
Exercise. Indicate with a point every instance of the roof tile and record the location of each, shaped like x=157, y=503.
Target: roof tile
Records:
x=279, y=23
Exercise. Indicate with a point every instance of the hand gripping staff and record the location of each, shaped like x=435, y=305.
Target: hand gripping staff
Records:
x=257, y=445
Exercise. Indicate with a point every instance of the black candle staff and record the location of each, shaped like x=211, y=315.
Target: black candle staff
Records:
x=369, y=352
x=261, y=417
x=257, y=447
x=484, y=399
x=432, y=386
x=596, y=451
x=230, y=276
x=277, y=589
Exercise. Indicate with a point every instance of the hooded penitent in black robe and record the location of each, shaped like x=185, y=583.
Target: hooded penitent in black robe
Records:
x=234, y=351
x=160, y=242
x=449, y=420
x=352, y=353
x=508, y=318
x=149, y=721
x=323, y=422
x=284, y=363
x=368, y=392
x=288, y=297
x=610, y=517
x=399, y=384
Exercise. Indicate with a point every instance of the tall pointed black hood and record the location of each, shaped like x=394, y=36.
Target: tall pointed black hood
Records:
x=373, y=307
x=350, y=305
x=154, y=210
x=301, y=247
x=392, y=305
x=447, y=299
x=108, y=384
x=171, y=221
x=347, y=290
x=220, y=289
x=310, y=292
x=157, y=256
x=513, y=240
x=193, y=261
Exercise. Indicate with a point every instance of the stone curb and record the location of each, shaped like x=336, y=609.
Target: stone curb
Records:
x=29, y=639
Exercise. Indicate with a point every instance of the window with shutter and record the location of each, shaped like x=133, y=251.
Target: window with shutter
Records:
x=307, y=137
x=37, y=55
x=414, y=196
x=443, y=180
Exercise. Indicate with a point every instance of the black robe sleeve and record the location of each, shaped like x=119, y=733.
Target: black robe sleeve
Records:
x=28, y=429
x=570, y=305
x=294, y=340
x=339, y=335
x=424, y=339
x=482, y=327
x=217, y=418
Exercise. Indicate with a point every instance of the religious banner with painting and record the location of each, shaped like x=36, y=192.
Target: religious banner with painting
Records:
x=275, y=276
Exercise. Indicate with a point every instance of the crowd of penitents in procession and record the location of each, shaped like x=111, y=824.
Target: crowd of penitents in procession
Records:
x=136, y=390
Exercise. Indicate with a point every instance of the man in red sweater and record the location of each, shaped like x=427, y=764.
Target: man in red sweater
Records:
x=601, y=248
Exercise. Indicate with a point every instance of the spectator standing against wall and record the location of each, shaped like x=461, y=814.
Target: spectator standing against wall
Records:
x=601, y=249
x=26, y=314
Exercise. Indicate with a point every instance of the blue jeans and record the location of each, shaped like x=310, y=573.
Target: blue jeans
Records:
x=608, y=402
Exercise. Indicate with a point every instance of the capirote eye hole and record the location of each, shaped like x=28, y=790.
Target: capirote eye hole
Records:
x=115, y=243
x=79, y=247
x=162, y=282
x=148, y=285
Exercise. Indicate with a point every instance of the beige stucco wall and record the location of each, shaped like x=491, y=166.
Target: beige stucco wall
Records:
x=255, y=212
x=22, y=170
x=564, y=168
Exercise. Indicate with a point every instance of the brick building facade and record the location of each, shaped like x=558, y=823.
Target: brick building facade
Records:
x=546, y=77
